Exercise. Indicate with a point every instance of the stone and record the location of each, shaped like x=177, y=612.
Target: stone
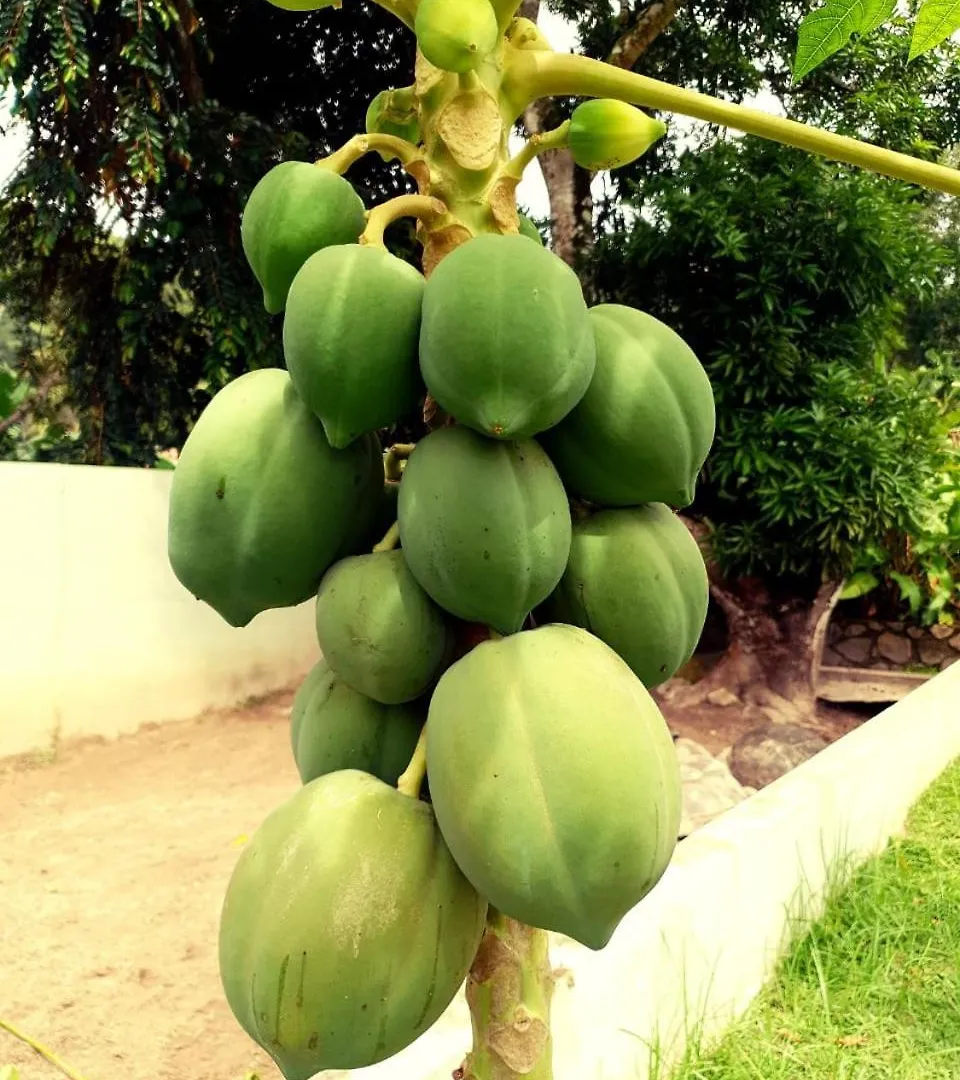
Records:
x=933, y=653
x=955, y=642
x=831, y=658
x=941, y=632
x=875, y=626
x=722, y=698
x=896, y=626
x=768, y=752
x=944, y=664
x=834, y=632
x=855, y=629
x=897, y=650
x=916, y=632
x=881, y=665
x=855, y=650
x=709, y=788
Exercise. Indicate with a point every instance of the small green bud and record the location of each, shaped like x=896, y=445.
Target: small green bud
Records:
x=392, y=112
x=525, y=34
x=305, y=5
x=608, y=134
x=456, y=35
x=527, y=228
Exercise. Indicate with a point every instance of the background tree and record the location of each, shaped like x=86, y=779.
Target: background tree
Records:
x=149, y=124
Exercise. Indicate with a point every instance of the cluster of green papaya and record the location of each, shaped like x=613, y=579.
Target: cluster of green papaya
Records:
x=355, y=911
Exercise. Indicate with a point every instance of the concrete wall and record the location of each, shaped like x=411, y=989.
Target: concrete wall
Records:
x=97, y=636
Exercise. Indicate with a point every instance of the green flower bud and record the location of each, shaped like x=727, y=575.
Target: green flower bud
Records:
x=456, y=35
x=392, y=112
x=524, y=34
x=608, y=134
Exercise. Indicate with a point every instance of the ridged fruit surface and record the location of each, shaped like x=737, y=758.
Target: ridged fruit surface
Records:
x=506, y=345
x=347, y=928
x=350, y=339
x=645, y=426
x=333, y=727
x=554, y=780
x=485, y=525
x=261, y=504
x=295, y=210
x=635, y=579
x=378, y=629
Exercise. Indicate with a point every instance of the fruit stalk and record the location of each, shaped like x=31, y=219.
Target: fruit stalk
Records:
x=411, y=781
x=353, y=150
x=419, y=206
x=509, y=990
x=536, y=74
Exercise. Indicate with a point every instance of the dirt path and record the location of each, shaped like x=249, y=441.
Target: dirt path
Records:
x=113, y=863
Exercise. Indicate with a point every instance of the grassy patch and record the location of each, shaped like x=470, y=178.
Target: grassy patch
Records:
x=872, y=990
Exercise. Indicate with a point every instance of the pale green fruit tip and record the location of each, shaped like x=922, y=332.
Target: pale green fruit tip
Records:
x=608, y=134
x=305, y=5
x=456, y=35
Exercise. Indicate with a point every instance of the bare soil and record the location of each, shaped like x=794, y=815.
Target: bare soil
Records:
x=114, y=858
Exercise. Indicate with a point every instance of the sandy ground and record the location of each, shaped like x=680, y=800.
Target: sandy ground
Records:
x=114, y=858
x=113, y=863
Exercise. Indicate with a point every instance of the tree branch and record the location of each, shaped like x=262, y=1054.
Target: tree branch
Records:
x=650, y=24
x=35, y=398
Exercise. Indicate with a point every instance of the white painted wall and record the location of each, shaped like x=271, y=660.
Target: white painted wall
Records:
x=97, y=636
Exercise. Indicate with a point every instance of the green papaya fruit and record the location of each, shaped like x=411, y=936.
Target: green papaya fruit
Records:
x=378, y=629
x=347, y=928
x=350, y=339
x=527, y=228
x=484, y=524
x=394, y=112
x=261, y=504
x=608, y=134
x=506, y=344
x=295, y=210
x=635, y=579
x=305, y=5
x=456, y=35
x=333, y=727
x=554, y=780
x=645, y=426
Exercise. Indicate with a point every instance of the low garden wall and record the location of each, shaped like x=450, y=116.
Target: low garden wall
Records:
x=98, y=637
x=890, y=645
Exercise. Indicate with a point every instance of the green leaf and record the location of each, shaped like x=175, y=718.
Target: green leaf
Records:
x=825, y=31
x=909, y=591
x=936, y=21
x=859, y=584
x=9, y=1072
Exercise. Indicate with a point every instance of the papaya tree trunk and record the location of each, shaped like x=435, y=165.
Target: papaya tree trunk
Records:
x=509, y=990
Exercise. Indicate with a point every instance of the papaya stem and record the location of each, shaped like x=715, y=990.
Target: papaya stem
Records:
x=418, y=206
x=535, y=145
x=411, y=781
x=354, y=149
x=509, y=990
x=535, y=75
x=399, y=452
x=39, y=1048
x=390, y=541
x=506, y=10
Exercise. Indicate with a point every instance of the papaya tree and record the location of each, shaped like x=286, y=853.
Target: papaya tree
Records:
x=508, y=586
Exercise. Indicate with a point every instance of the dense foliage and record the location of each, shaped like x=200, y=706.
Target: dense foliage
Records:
x=149, y=124
x=790, y=278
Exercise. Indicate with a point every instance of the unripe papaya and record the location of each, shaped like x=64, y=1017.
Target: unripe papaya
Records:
x=305, y=5
x=456, y=35
x=350, y=339
x=378, y=629
x=645, y=426
x=527, y=228
x=394, y=112
x=635, y=579
x=554, y=780
x=261, y=504
x=295, y=210
x=333, y=727
x=347, y=927
x=485, y=525
x=608, y=134
x=506, y=345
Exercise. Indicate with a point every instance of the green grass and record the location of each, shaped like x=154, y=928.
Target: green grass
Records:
x=872, y=990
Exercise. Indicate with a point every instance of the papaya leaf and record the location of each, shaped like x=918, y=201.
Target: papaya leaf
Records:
x=859, y=584
x=825, y=31
x=936, y=21
x=909, y=591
